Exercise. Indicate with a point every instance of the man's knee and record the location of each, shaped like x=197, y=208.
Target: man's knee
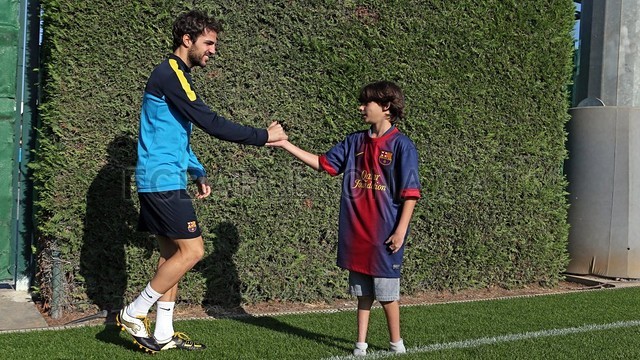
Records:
x=193, y=249
x=198, y=253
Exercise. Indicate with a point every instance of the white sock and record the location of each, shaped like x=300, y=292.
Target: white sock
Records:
x=361, y=349
x=398, y=347
x=141, y=305
x=164, y=321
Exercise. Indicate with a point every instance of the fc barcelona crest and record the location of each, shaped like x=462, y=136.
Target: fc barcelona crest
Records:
x=385, y=157
x=191, y=226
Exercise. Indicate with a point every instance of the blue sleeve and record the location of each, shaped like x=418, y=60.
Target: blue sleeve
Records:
x=334, y=161
x=409, y=175
x=195, y=168
x=180, y=94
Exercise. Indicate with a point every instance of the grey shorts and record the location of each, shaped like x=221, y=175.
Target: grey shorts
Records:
x=381, y=289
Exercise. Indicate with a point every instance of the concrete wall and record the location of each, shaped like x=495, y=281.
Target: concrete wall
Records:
x=603, y=168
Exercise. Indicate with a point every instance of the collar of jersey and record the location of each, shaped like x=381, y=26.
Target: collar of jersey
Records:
x=181, y=63
x=392, y=130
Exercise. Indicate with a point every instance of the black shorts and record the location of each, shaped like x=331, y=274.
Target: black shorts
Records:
x=168, y=213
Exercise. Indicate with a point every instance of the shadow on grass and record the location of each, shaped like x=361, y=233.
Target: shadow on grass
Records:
x=274, y=324
x=111, y=335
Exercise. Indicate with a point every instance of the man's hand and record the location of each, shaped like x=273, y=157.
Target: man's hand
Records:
x=276, y=132
x=204, y=189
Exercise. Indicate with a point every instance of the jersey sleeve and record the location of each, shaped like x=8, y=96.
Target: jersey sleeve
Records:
x=334, y=160
x=409, y=174
x=195, y=168
x=179, y=92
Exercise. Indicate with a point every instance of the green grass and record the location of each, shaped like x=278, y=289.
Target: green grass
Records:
x=323, y=335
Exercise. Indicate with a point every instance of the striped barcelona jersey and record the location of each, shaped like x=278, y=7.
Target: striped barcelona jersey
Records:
x=378, y=174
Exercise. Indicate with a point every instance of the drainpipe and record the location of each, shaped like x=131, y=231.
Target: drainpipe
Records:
x=17, y=187
x=56, y=285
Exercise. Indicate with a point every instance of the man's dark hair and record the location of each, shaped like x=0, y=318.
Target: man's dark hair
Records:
x=193, y=23
x=384, y=93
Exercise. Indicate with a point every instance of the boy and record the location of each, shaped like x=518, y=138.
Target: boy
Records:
x=169, y=108
x=379, y=192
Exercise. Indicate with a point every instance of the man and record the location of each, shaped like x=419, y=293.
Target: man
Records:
x=169, y=108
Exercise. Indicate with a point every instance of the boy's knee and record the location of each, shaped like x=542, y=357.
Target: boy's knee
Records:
x=388, y=303
x=365, y=302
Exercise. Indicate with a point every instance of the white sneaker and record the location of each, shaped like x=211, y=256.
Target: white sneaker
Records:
x=360, y=349
x=138, y=327
x=397, y=347
x=181, y=341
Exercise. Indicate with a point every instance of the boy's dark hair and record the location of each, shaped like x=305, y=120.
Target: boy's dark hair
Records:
x=384, y=93
x=193, y=23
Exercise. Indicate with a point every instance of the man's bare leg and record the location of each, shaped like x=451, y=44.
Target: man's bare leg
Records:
x=184, y=256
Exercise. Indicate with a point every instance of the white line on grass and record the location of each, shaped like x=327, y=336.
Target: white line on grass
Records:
x=498, y=339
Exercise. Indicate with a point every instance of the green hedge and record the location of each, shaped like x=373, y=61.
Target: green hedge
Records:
x=485, y=83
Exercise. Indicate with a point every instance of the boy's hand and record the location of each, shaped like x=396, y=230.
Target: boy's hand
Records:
x=276, y=133
x=279, y=143
x=394, y=242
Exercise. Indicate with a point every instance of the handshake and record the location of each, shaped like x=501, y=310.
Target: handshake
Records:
x=277, y=135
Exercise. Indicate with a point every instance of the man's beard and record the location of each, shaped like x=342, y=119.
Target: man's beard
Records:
x=194, y=59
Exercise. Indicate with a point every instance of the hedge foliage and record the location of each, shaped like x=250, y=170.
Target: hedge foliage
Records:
x=485, y=83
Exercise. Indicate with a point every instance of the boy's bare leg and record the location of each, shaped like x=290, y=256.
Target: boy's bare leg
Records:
x=392, y=312
x=364, y=310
